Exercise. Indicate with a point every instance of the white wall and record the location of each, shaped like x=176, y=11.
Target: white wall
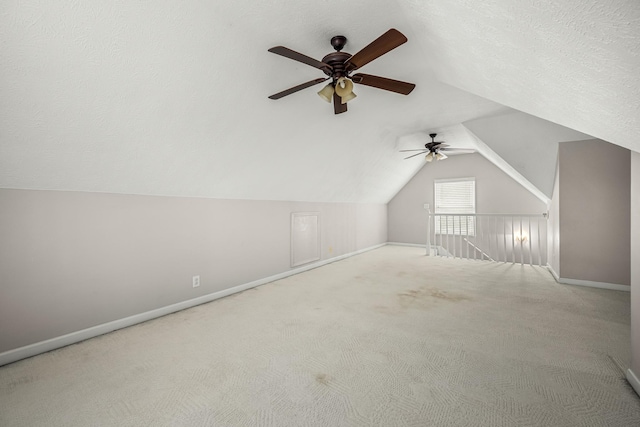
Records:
x=73, y=260
x=496, y=192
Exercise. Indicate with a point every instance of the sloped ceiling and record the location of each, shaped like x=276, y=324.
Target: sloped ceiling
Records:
x=572, y=62
x=528, y=143
x=170, y=97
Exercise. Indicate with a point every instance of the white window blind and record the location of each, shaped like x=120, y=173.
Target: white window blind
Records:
x=455, y=196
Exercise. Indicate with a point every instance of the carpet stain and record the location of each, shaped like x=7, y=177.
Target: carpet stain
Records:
x=422, y=296
x=436, y=293
x=322, y=379
x=27, y=379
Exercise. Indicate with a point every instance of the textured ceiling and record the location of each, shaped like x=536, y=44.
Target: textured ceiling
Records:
x=572, y=62
x=527, y=143
x=170, y=97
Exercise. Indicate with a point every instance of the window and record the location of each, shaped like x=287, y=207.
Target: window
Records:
x=455, y=196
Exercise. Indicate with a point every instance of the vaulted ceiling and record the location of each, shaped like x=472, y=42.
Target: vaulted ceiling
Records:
x=170, y=97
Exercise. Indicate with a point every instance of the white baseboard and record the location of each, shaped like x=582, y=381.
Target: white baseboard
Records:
x=553, y=273
x=84, y=334
x=591, y=284
x=588, y=283
x=413, y=245
x=633, y=380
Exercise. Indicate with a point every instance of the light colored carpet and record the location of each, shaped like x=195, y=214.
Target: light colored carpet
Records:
x=387, y=338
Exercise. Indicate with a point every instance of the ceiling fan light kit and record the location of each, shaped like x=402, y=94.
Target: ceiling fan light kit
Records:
x=326, y=92
x=339, y=65
x=344, y=89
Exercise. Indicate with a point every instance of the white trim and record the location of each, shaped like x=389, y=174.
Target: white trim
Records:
x=84, y=334
x=413, y=245
x=553, y=273
x=488, y=153
x=589, y=283
x=633, y=380
x=464, y=178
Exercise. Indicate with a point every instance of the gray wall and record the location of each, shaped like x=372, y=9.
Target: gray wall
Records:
x=496, y=192
x=594, y=185
x=635, y=263
x=72, y=260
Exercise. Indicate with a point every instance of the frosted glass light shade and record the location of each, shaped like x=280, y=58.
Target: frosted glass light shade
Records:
x=429, y=157
x=344, y=86
x=344, y=89
x=326, y=92
x=440, y=156
x=348, y=97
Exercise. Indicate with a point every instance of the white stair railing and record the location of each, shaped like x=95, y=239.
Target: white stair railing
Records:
x=482, y=253
x=495, y=237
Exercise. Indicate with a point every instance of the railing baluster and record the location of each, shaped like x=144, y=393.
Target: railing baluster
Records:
x=504, y=235
x=461, y=240
x=453, y=236
x=495, y=231
x=481, y=237
x=539, y=245
x=475, y=234
x=466, y=229
x=428, y=233
x=521, y=251
x=440, y=234
x=513, y=239
x=453, y=233
x=530, y=256
x=460, y=235
x=489, y=239
x=447, y=230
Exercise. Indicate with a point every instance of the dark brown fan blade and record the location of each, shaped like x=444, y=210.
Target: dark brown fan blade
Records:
x=420, y=149
x=383, y=44
x=338, y=106
x=297, y=88
x=396, y=86
x=425, y=151
x=296, y=56
x=458, y=150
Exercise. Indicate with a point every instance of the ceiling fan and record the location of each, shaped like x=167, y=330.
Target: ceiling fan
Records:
x=339, y=65
x=434, y=150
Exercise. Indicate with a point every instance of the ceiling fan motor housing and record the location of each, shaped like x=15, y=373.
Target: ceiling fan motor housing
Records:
x=337, y=61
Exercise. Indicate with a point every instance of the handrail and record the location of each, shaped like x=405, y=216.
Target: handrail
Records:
x=544, y=215
x=479, y=250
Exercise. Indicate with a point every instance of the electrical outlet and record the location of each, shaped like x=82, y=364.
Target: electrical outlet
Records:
x=195, y=281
